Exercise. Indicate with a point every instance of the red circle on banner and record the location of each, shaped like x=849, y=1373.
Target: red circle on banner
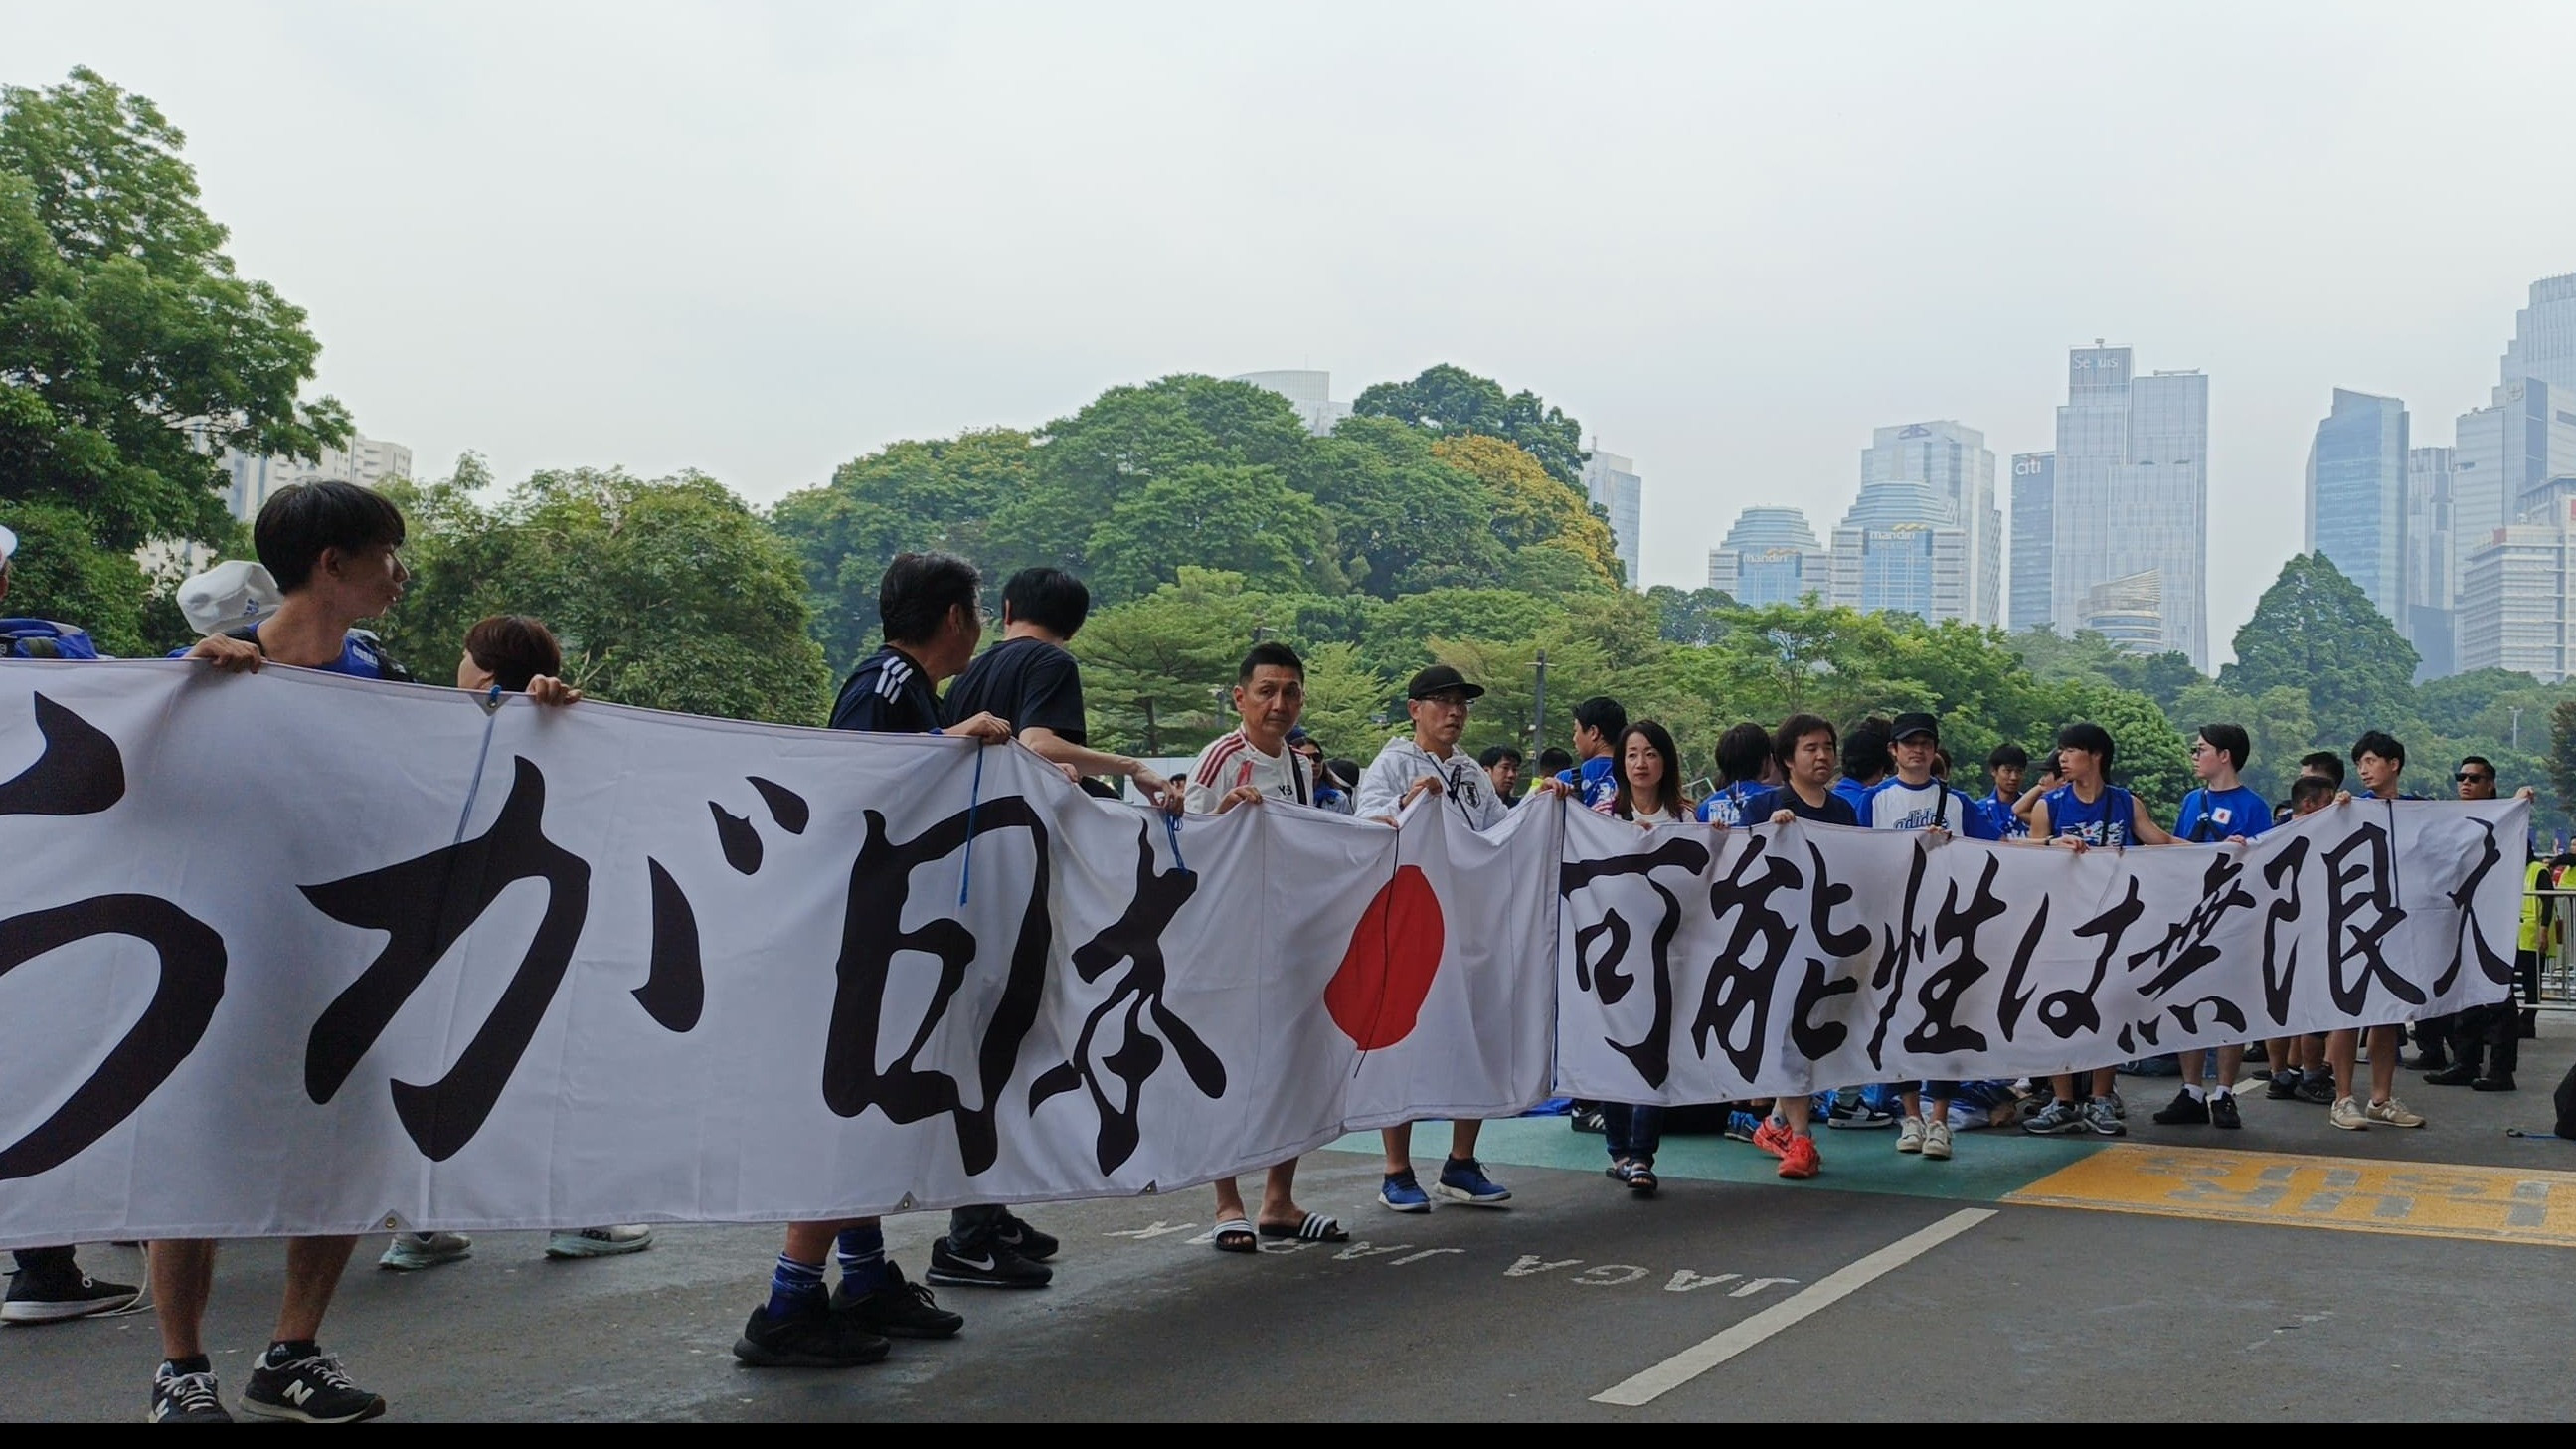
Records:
x=1385, y=976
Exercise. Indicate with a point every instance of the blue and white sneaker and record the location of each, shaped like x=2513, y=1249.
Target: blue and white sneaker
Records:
x=1740, y=1126
x=1403, y=1193
x=1466, y=1182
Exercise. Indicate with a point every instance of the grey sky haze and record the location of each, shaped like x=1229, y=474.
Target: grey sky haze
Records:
x=763, y=239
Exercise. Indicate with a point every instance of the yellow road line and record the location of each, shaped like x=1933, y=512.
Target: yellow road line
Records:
x=2353, y=1195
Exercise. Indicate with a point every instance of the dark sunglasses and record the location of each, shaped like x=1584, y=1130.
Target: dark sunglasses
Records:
x=2467, y=776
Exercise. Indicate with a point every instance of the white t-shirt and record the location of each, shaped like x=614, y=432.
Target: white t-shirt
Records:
x=1231, y=762
x=1467, y=789
x=1658, y=815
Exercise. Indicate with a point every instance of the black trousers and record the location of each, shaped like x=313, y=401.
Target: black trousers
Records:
x=2489, y=1038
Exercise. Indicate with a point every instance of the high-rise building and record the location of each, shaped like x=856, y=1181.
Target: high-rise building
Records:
x=368, y=461
x=2504, y=454
x=1900, y=549
x=1770, y=556
x=2034, y=542
x=2133, y=491
x=2356, y=498
x=2544, y=335
x=1612, y=482
x=2129, y=612
x=1311, y=393
x=2518, y=593
x=1954, y=461
x=2431, y=569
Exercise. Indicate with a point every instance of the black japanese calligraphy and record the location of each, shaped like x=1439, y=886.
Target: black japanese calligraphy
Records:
x=1651, y=1055
x=2361, y=911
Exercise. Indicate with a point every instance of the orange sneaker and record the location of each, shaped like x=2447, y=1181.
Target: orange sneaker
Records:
x=1801, y=1159
x=1773, y=1136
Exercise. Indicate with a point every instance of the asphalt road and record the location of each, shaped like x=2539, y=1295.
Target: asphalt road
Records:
x=2285, y=1271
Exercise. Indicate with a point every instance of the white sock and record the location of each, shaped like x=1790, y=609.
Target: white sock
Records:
x=2217, y=1092
x=2192, y=1090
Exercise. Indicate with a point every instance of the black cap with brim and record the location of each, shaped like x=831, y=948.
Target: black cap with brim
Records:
x=1441, y=679
x=1914, y=723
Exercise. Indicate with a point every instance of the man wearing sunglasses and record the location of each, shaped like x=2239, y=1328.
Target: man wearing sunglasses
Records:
x=2485, y=1040
x=1407, y=769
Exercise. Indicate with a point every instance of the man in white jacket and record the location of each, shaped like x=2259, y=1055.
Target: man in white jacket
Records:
x=1431, y=764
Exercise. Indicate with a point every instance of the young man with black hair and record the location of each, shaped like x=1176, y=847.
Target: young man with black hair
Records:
x=1503, y=766
x=2324, y=764
x=48, y=1285
x=933, y=616
x=1598, y=723
x=2380, y=760
x=1742, y=754
x=2222, y=811
x=2085, y=813
x=1867, y=757
x=2009, y=765
x=1804, y=747
x=1554, y=761
x=1428, y=763
x=1914, y=799
x=1253, y=765
x=1031, y=683
x=334, y=550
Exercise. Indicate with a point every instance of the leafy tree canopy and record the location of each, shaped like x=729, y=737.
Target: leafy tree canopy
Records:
x=1450, y=400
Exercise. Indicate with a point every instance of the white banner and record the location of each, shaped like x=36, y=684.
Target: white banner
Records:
x=295, y=953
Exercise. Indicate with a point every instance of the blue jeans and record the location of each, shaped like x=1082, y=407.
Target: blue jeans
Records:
x=1632, y=1130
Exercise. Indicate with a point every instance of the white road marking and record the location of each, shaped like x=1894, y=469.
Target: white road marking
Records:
x=1700, y=1357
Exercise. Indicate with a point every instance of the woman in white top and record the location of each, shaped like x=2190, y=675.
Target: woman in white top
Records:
x=1650, y=793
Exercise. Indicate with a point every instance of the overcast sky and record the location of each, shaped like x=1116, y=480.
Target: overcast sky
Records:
x=763, y=239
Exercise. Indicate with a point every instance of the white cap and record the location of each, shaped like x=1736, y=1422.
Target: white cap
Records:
x=227, y=596
x=8, y=545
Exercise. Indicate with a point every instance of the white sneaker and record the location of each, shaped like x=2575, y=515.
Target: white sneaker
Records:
x=2347, y=1114
x=2393, y=1113
x=598, y=1242
x=1936, y=1141
x=411, y=1252
x=1909, y=1135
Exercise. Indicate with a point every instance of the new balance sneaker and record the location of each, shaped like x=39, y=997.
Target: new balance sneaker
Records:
x=54, y=1295
x=2103, y=1116
x=2223, y=1113
x=411, y=1252
x=1858, y=1116
x=2185, y=1110
x=179, y=1398
x=1024, y=1240
x=1742, y=1126
x=1936, y=1141
x=898, y=1308
x=2056, y=1119
x=1403, y=1192
x=812, y=1337
x=992, y=1266
x=2347, y=1114
x=1464, y=1180
x=2392, y=1113
x=1773, y=1136
x=1801, y=1160
x=310, y=1390
x=1909, y=1135
x=599, y=1242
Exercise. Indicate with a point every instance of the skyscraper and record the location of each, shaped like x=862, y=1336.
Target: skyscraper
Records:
x=2518, y=593
x=1900, y=549
x=1310, y=392
x=1954, y=461
x=2034, y=542
x=1770, y=556
x=2432, y=570
x=2133, y=491
x=2504, y=454
x=367, y=461
x=2544, y=335
x=2356, y=501
x=1612, y=482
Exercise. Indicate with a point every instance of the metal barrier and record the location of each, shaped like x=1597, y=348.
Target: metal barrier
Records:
x=2558, y=958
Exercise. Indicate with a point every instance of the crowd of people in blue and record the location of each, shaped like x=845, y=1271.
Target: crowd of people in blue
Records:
x=329, y=558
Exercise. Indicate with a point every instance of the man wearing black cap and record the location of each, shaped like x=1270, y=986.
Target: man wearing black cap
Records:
x=1913, y=799
x=1407, y=769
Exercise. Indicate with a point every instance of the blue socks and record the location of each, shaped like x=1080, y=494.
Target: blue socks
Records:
x=862, y=1255
x=793, y=1287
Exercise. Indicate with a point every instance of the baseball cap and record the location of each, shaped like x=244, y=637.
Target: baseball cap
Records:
x=8, y=545
x=1914, y=723
x=227, y=596
x=1441, y=679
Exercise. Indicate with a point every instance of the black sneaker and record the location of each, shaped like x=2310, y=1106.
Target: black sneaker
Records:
x=185, y=1399
x=991, y=1266
x=2317, y=1088
x=899, y=1308
x=2223, y=1113
x=2185, y=1110
x=2457, y=1074
x=54, y=1297
x=1024, y=1240
x=814, y=1337
x=2284, y=1087
x=309, y=1391
x=1587, y=1118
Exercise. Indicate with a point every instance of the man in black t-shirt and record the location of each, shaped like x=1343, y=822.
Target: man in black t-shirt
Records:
x=1034, y=685
x=933, y=618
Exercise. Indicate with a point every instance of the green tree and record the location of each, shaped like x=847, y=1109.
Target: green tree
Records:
x=1155, y=670
x=1402, y=520
x=1695, y=616
x=2562, y=755
x=1349, y=706
x=1451, y=400
x=1232, y=519
x=130, y=351
x=2315, y=631
x=1528, y=507
x=61, y=573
